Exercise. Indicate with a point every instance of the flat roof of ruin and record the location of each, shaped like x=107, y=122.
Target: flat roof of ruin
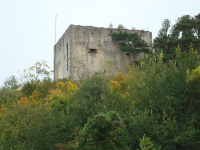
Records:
x=93, y=27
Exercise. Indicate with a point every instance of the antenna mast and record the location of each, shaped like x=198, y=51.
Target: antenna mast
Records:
x=55, y=29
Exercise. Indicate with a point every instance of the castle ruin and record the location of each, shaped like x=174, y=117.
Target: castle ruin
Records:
x=86, y=48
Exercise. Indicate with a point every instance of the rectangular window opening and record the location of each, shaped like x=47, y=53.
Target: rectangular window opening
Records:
x=93, y=51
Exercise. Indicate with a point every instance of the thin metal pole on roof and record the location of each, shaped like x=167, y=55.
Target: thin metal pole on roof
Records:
x=55, y=29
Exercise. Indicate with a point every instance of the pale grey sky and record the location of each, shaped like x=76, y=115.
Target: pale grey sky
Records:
x=27, y=27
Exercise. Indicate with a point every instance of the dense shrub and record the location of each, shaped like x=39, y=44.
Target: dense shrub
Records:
x=103, y=131
x=93, y=97
x=89, y=99
x=34, y=128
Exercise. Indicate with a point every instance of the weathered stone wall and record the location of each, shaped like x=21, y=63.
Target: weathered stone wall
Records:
x=93, y=47
x=61, y=54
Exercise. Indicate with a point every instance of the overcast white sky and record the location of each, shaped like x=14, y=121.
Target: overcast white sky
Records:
x=27, y=27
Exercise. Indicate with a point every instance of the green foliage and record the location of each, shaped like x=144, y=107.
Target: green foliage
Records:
x=165, y=108
x=9, y=92
x=37, y=78
x=28, y=88
x=38, y=71
x=160, y=100
x=38, y=128
x=103, y=131
x=187, y=30
x=194, y=77
x=185, y=33
x=120, y=27
x=88, y=100
x=130, y=42
x=43, y=87
x=11, y=83
x=146, y=144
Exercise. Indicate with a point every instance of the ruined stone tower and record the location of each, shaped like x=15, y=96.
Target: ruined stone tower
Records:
x=84, y=49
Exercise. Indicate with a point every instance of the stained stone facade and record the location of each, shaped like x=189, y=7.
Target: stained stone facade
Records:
x=86, y=49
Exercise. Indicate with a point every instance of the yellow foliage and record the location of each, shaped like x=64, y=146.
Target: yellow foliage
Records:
x=120, y=26
x=115, y=85
x=64, y=89
x=67, y=86
x=32, y=98
x=61, y=86
x=2, y=109
x=13, y=106
x=23, y=101
x=194, y=77
x=31, y=101
x=54, y=94
x=118, y=83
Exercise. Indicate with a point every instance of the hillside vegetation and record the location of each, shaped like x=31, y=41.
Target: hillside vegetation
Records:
x=155, y=99
x=154, y=106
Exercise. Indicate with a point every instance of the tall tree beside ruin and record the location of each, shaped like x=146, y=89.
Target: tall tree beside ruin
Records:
x=185, y=33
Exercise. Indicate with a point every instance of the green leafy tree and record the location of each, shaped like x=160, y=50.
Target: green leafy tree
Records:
x=129, y=42
x=163, y=43
x=185, y=33
x=9, y=92
x=166, y=106
x=34, y=128
x=11, y=83
x=36, y=72
x=88, y=100
x=33, y=77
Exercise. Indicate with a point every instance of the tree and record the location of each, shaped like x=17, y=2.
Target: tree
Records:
x=34, y=73
x=11, y=83
x=120, y=26
x=185, y=33
x=9, y=92
x=32, y=77
x=110, y=26
x=130, y=42
x=166, y=106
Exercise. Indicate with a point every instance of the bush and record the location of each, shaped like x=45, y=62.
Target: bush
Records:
x=103, y=131
x=93, y=97
x=89, y=99
x=34, y=128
